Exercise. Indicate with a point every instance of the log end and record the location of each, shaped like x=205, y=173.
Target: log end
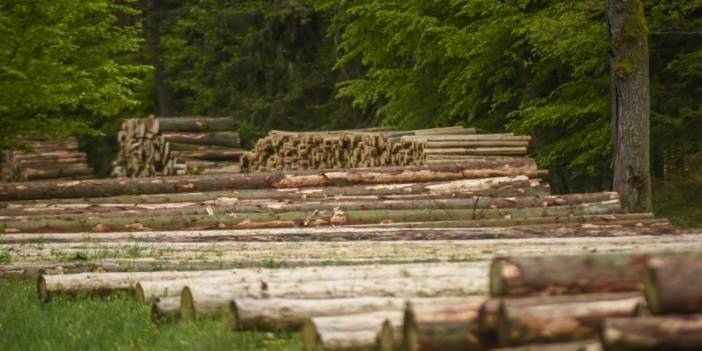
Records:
x=502, y=327
x=310, y=336
x=187, y=305
x=496, y=286
x=41, y=289
x=139, y=293
x=386, y=338
x=234, y=316
x=653, y=302
x=410, y=334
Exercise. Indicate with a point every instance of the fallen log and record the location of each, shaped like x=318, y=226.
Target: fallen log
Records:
x=669, y=283
x=560, y=275
x=657, y=333
x=150, y=289
x=561, y=320
x=194, y=124
x=479, y=151
x=589, y=345
x=213, y=155
x=472, y=144
x=349, y=332
x=443, y=326
x=336, y=217
x=410, y=174
x=207, y=301
x=165, y=309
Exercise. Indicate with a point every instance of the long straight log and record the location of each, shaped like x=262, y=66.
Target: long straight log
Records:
x=194, y=124
x=230, y=139
x=204, y=301
x=296, y=219
x=670, y=283
x=113, y=187
x=477, y=143
x=443, y=326
x=58, y=171
x=562, y=320
x=214, y=155
x=480, y=151
x=659, y=333
x=561, y=275
x=589, y=345
x=477, y=203
x=151, y=289
x=500, y=186
x=349, y=332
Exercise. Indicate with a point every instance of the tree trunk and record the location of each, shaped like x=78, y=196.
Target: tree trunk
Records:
x=450, y=326
x=562, y=275
x=154, y=15
x=350, y=332
x=660, y=333
x=206, y=300
x=671, y=284
x=629, y=60
x=561, y=321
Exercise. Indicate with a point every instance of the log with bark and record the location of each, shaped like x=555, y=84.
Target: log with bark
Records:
x=671, y=283
x=561, y=319
x=227, y=139
x=443, y=326
x=559, y=275
x=165, y=309
x=46, y=159
x=589, y=345
x=657, y=333
x=387, y=175
x=347, y=332
x=206, y=301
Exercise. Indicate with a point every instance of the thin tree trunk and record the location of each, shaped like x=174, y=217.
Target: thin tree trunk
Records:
x=629, y=60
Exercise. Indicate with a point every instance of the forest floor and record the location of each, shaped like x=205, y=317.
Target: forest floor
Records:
x=113, y=323
x=681, y=203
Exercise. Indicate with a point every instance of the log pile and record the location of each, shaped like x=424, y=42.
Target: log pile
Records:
x=47, y=160
x=167, y=146
x=281, y=150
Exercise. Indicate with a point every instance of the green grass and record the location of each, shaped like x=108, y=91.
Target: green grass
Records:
x=681, y=202
x=113, y=323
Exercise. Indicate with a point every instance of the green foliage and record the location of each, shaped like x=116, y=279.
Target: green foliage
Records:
x=113, y=323
x=60, y=68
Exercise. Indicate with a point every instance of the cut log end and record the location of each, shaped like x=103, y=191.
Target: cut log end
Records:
x=234, y=323
x=497, y=267
x=41, y=289
x=387, y=339
x=139, y=293
x=650, y=293
x=310, y=337
x=187, y=305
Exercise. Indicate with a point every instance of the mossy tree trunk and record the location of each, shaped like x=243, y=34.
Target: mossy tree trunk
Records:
x=629, y=60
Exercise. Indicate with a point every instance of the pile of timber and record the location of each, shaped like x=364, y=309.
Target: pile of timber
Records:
x=46, y=159
x=503, y=193
x=282, y=150
x=169, y=146
x=620, y=301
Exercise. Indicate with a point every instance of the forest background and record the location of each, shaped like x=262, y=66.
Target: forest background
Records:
x=537, y=67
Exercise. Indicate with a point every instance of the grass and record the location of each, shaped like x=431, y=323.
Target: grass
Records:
x=113, y=323
x=681, y=202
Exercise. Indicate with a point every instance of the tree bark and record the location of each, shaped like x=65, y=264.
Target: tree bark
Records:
x=561, y=321
x=450, y=326
x=664, y=333
x=629, y=60
x=670, y=283
x=349, y=332
x=385, y=175
x=562, y=275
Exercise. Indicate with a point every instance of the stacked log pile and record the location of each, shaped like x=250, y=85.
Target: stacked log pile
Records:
x=47, y=159
x=281, y=150
x=176, y=146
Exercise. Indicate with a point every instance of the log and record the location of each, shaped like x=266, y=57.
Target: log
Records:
x=336, y=217
x=230, y=139
x=671, y=283
x=656, y=333
x=589, y=345
x=479, y=151
x=349, y=332
x=151, y=289
x=560, y=275
x=213, y=155
x=470, y=144
x=58, y=171
x=561, y=320
x=113, y=187
x=195, y=124
x=207, y=301
x=443, y=326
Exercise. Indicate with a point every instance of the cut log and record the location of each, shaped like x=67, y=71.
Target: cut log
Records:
x=561, y=320
x=559, y=275
x=230, y=139
x=349, y=332
x=202, y=301
x=113, y=187
x=195, y=124
x=589, y=345
x=443, y=326
x=659, y=333
x=671, y=283
x=150, y=289
x=214, y=155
